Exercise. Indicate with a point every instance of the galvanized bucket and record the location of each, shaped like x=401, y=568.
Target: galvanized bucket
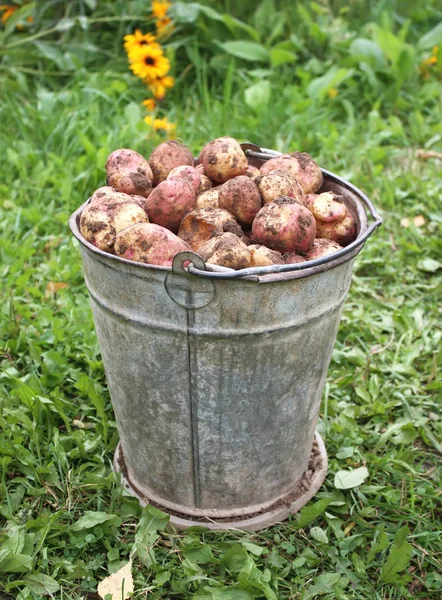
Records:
x=216, y=376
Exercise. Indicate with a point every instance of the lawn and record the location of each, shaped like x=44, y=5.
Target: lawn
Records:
x=358, y=87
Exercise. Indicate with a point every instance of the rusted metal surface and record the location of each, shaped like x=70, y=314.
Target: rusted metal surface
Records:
x=216, y=384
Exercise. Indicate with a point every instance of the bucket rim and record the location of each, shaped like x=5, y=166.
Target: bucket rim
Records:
x=257, y=274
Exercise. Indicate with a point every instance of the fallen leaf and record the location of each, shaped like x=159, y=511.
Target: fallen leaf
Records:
x=52, y=288
x=345, y=480
x=419, y=221
x=118, y=585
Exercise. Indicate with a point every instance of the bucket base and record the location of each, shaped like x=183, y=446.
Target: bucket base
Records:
x=290, y=504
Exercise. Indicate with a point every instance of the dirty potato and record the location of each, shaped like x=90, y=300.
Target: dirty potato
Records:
x=240, y=196
x=227, y=250
x=129, y=172
x=166, y=157
x=200, y=225
x=149, y=243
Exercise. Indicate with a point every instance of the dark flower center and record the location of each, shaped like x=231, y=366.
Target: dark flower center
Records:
x=149, y=61
x=143, y=43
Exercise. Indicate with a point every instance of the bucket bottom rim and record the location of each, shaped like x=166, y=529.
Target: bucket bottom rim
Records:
x=290, y=504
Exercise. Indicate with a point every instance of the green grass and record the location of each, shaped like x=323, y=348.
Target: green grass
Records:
x=381, y=406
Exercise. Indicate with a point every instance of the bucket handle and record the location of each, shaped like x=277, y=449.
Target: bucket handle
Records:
x=256, y=152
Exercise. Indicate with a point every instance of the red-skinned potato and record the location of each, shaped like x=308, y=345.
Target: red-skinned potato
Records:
x=166, y=157
x=223, y=159
x=285, y=162
x=279, y=183
x=328, y=208
x=240, y=196
x=129, y=172
x=285, y=226
x=308, y=200
x=227, y=250
x=208, y=199
x=190, y=174
x=309, y=174
x=343, y=232
x=100, y=223
x=202, y=224
x=149, y=243
x=169, y=202
x=322, y=247
x=261, y=256
x=291, y=258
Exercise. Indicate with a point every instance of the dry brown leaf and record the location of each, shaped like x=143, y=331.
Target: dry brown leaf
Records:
x=52, y=287
x=426, y=154
x=119, y=584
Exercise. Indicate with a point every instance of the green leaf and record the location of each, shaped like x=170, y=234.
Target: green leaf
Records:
x=198, y=553
x=246, y=50
x=311, y=512
x=429, y=265
x=235, y=558
x=431, y=38
x=345, y=480
x=41, y=584
x=92, y=518
x=380, y=544
x=322, y=585
x=398, y=558
x=319, y=87
x=132, y=112
x=15, y=563
x=19, y=17
x=257, y=96
x=278, y=56
x=319, y=535
x=368, y=51
x=233, y=23
x=233, y=593
x=254, y=548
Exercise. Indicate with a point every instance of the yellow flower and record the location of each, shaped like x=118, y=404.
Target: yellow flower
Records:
x=8, y=11
x=435, y=50
x=160, y=8
x=148, y=62
x=160, y=124
x=164, y=26
x=139, y=40
x=150, y=104
x=159, y=86
x=332, y=93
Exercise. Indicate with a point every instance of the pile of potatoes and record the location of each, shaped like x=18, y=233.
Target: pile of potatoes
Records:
x=229, y=212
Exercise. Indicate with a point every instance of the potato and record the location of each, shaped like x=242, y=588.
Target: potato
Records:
x=328, y=208
x=285, y=226
x=190, y=174
x=285, y=162
x=99, y=224
x=309, y=174
x=260, y=256
x=252, y=172
x=223, y=159
x=169, y=202
x=292, y=258
x=129, y=172
x=200, y=225
x=343, y=232
x=240, y=196
x=205, y=182
x=279, y=183
x=227, y=250
x=149, y=243
x=166, y=157
x=209, y=199
x=322, y=247
x=308, y=200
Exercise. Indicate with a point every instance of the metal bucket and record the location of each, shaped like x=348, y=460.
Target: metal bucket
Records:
x=216, y=377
